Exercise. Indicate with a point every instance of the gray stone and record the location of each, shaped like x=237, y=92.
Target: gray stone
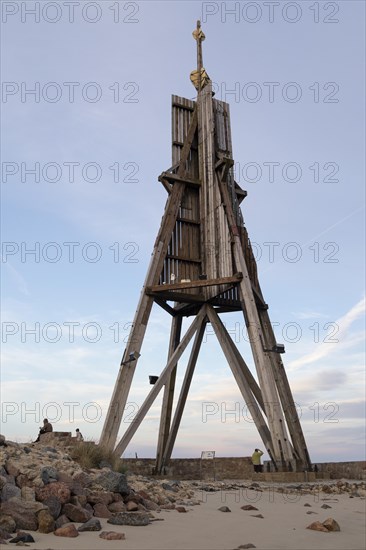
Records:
x=4, y=535
x=10, y=491
x=168, y=487
x=224, y=509
x=130, y=518
x=114, y=482
x=93, y=524
x=61, y=520
x=22, y=537
x=54, y=506
x=48, y=473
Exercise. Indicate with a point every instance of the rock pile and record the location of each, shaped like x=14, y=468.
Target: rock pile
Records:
x=42, y=488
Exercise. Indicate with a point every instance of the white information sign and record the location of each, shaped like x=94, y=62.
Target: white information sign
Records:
x=207, y=455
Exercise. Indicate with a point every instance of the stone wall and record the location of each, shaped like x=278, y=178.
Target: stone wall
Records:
x=347, y=470
x=241, y=468
x=195, y=468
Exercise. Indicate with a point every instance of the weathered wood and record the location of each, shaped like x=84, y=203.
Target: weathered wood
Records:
x=175, y=178
x=174, y=296
x=160, y=383
x=203, y=240
x=284, y=390
x=126, y=372
x=196, y=284
x=165, y=306
x=282, y=451
x=182, y=396
x=224, y=339
x=166, y=409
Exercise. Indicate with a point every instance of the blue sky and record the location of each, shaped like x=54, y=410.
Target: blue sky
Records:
x=293, y=74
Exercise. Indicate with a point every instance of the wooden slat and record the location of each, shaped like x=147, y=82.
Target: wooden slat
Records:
x=196, y=284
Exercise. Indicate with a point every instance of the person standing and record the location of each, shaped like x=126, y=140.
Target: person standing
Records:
x=256, y=460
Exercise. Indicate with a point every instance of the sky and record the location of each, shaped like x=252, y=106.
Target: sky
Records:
x=86, y=131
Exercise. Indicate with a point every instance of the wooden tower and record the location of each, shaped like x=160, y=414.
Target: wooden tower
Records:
x=202, y=266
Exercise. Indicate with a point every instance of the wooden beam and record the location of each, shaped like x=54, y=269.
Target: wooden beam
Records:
x=160, y=383
x=177, y=178
x=287, y=400
x=196, y=284
x=224, y=339
x=281, y=445
x=183, y=396
x=165, y=306
x=124, y=380
x=166, y=185
x=166, y=408
x=172, y=296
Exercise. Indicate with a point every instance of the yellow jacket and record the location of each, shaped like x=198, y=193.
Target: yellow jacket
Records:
x=256, y=457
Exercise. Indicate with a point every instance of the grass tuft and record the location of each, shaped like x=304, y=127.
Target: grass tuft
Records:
x=89, y=455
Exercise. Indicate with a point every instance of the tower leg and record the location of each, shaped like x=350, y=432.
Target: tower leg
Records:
x=183, y=394
x=166, y=409
x=160, y=382
x=224, y=339
x=126, y=372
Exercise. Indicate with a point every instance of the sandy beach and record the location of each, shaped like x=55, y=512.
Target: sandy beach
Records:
x=283, y=526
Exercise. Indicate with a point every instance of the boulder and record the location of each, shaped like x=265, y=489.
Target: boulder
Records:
x=28, y=493
x=67, y=531
x=22, y=538
x=57, y=489
x=317, y=526
x=46, y=522
x=12, y=468
x=224, y=509
x=93, y=524
x=113, y=481
x=9, y=491
x=23, y=512
x=112, y=535
x=61, y=520
x=7, y=523
x=101, y=511
x=54, y=505
x=248, y=507
x=83, y=478
x=76, y=513
x=4, y=535
x=117, y=507
x=180, y=509
x=130, y=518
x=131, y=506
x=23, y=480
x=150, y=505
x=104, y=497
x=331, y=525
x=48, y=473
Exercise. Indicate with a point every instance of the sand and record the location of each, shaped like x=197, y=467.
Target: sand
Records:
x=283, y=525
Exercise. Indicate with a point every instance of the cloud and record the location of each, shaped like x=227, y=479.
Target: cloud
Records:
x=324, y=349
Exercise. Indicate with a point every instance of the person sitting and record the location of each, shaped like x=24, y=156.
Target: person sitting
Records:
x=47, y=428
x=79, y=435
